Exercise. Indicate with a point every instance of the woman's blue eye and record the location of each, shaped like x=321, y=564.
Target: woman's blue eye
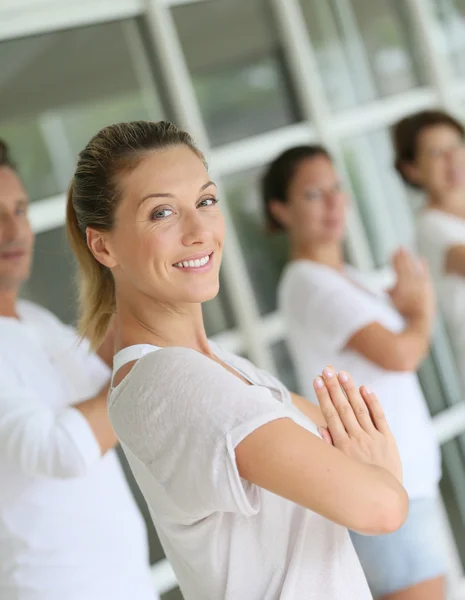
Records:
x=161, y=213
x=209, y=201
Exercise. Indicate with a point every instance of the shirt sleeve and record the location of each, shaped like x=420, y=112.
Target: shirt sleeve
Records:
x=436, y=235
x=330, y=309
x=38, y=440
x=182, y=415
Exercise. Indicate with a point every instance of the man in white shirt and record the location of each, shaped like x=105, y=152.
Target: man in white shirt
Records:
x=69, y=526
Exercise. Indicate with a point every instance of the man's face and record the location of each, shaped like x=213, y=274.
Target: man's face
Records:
x=16, y=236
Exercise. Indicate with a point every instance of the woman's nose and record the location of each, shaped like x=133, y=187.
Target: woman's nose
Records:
x=194, y=230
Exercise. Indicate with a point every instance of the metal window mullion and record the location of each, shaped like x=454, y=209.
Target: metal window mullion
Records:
x=325, y=20
x=141, y=66
x=186, y=108
x=256, y=151
x=42, y=17
x=355, y=48
x=61, y=154
x=314, y=105
x=381, y=113
x=437, y=65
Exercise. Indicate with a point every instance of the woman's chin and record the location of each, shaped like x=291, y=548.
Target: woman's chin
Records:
x=203, y=294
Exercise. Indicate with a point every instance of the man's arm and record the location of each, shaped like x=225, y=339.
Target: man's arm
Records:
x=39, y=440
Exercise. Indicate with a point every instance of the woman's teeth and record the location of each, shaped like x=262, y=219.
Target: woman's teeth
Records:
x=198, y=262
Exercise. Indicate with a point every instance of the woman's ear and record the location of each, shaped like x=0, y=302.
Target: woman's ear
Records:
x=280, y=212
x=411, y=172
x=98, y=244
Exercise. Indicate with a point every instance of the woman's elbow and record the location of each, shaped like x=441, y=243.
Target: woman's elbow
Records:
x=387, y=514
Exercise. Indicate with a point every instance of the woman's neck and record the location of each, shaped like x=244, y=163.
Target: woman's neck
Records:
x=453, y=203
x=330, y=255
x=8, y=300
x=160, y=325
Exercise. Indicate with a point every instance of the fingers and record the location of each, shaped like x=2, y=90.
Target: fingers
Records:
x=407, y=264
x=333, y=421
x=340, y=402
x=376, y=410
x=359, y=407
x=325, y=435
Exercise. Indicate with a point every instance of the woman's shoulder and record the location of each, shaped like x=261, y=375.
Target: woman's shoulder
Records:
x=314, y=281
x=174, y=372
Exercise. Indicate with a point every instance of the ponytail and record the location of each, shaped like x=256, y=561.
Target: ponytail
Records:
x=95, y=281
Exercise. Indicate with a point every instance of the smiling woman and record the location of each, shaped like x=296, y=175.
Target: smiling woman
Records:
x=219, y=448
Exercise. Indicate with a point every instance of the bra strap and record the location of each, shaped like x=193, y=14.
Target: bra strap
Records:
x=129, y=354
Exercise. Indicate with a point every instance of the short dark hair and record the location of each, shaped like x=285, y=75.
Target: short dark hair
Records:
x=278, y=176
x=5, y=158
x=405, y=135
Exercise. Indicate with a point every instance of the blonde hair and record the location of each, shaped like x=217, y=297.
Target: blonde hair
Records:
x=93, y=196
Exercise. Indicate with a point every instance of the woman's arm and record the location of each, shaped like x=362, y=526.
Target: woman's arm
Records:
x=413, y=297
x=355, y=483
x=310, y=410
x=455, y=260
x=402, y=351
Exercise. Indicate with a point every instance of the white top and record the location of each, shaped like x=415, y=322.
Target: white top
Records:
x=438, y=231
x=322, y=309
x=180, y=416
x=69, y=527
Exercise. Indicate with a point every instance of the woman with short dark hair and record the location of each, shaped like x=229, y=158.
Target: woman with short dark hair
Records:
x=430, y=156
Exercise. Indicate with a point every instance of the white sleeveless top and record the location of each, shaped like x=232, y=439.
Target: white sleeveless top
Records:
x=179, y=416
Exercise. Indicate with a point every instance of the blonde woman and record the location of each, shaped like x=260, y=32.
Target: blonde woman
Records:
x=248, y=500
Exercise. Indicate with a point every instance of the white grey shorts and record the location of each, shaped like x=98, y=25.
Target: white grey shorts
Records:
x=411, y=555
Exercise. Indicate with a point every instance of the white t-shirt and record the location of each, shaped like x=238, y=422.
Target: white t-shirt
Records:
x=437, y=232
x=180, y=416
x=69, y=527
x=322, y=309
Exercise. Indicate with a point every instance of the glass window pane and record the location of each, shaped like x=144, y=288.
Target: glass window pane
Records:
x=52, y=281
x=265, y=254
x=364, y=48
x=453, y=490
x=241, y=85
x=381, y=198
x=58, y=89
x=286, y=372
x=450, y=34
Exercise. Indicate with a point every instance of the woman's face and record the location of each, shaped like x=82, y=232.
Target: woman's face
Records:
x=167, y=240
x=316, y=205
x=439, y=166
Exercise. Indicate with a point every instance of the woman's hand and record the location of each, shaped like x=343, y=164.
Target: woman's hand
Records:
x=356, y=424
x=412, y=293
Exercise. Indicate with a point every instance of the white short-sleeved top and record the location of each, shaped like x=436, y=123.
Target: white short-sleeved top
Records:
x=322, y=309
x=437, y=232
x=69, y=526
x=179, y=416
